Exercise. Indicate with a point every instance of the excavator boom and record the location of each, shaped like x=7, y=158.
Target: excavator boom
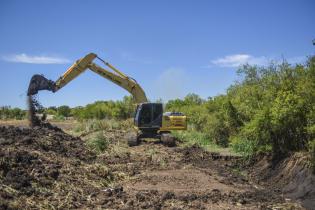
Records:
x=75, y=70
x=39, y=82
x=127, y=83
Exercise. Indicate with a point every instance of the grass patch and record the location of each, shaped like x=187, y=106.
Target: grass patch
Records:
x=94, y=125
x=244, y=147
x=98, y=142
x=156, y=157
x=190, y=138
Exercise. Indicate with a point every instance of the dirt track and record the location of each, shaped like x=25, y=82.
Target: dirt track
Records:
x=188, y=178
x=46, y=168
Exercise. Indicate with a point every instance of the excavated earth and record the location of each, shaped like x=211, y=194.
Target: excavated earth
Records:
x=45, y=168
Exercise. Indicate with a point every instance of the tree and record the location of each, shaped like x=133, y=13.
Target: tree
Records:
x=192, y=99
x=64, y=111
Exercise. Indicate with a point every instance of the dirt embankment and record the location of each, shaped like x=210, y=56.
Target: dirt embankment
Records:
x=46, y=168
x=293, y=175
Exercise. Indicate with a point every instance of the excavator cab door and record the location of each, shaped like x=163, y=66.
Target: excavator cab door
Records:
x=149, y=116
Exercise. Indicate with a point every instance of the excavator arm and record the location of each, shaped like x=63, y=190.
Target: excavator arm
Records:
x=38, y=82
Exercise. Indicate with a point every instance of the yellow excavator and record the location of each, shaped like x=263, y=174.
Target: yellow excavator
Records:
x=149, y=119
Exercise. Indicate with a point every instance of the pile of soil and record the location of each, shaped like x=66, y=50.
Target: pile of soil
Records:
x=44, y=166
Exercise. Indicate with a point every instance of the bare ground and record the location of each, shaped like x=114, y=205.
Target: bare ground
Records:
x=45, y=168
x=189, y=178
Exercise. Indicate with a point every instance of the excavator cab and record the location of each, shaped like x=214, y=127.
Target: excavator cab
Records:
x=151, y=122
x=148, y=116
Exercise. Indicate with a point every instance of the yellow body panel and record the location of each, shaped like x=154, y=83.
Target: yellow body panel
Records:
x=174, y=123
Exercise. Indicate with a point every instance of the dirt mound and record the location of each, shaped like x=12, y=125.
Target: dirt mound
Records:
x=48, y=139
x=292, y=175
x=38, y=163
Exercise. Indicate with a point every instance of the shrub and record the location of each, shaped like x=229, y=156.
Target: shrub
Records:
x=255, y=136
x=243, y=146
x=6, y=112
x=94, y=125
x=98, y=142
x=288, y=119
x=217, y=130
x=193, y=137
x=120, y=110
x=64, y=111
x=59, y=117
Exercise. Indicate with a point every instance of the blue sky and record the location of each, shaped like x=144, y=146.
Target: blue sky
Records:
x=170, y=47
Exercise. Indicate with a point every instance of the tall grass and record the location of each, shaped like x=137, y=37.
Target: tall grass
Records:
x=94, y=125
x=191, y=137
x=98, y=143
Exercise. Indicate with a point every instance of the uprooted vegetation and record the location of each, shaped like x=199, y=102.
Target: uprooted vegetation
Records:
x=40, y=163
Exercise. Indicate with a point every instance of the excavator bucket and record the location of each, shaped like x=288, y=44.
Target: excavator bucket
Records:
x=39, y=82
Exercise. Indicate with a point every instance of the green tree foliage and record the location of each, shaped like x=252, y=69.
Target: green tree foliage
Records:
x=123, y=109
x=106, y=110
x=271, y=109
x=7, y=112
x=64, y=111
x=51, y=110
x=276, y=104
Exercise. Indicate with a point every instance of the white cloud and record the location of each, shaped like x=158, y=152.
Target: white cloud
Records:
x=34, y=59
x=237, y=60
